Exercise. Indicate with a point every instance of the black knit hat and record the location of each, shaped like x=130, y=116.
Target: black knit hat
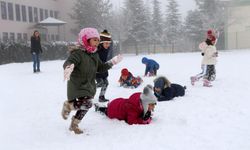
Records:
x=105, y=36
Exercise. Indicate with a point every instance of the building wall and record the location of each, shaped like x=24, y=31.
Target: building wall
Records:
x=59, y=9
x=238, y=30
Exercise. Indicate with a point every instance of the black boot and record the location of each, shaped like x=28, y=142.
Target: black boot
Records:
x=103, y=99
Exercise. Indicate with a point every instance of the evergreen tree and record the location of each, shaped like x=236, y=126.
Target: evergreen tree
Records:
x=212, y=13
x=156, y=24
x=94, y=13
x=136, y=22
x=194, y=28
x=173, y=23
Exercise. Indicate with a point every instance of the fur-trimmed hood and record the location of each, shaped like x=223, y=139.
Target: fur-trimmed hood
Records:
x=166, y=82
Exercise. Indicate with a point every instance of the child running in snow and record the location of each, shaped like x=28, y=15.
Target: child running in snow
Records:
x=80, y=70
x=151, y=67
x=128, y=80
x=209, y=54
x=165, y=91
x=103, y=51
x=137, y=109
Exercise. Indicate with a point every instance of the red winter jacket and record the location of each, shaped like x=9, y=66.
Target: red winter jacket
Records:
x=130, y=109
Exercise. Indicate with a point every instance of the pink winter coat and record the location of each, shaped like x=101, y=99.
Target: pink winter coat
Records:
x=130, y=109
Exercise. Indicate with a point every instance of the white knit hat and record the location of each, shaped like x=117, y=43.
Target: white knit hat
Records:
x=147, y=97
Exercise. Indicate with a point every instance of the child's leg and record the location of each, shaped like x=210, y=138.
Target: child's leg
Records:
x=103, y=91
x=200, y=75
x=101, y=109
x=203, y=72
x=82, y=105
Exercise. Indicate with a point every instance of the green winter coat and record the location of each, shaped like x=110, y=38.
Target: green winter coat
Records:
x=82, y=79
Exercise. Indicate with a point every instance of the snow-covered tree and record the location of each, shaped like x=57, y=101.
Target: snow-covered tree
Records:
x=94, y=13
x=194, y=27
x=212, y=13
x=136, y=22
x=157, y=23
x=173, y=23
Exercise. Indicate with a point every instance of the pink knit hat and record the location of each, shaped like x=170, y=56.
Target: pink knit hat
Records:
x=84, y=35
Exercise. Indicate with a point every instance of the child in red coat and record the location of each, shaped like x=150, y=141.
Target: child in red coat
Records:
x=136, y=109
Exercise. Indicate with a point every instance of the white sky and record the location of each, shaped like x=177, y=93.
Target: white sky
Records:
x=184, y=5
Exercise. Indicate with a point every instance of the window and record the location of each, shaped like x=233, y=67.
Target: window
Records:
x=19, y=37
x=51, y=13
x=56, y=14
x=25, y=37
x=10, y=11
x=52, y=37
x=5, y=36
x=30, y=14
x=41, y=14
x=24, y=14
x=46, y=13
x=12, y=36
x=35, y=14
x=3, y=10
x=18, y=13
x=57, y=37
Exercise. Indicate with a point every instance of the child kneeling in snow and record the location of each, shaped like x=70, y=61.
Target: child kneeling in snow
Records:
x=165, y=91
x=136, y=109
x=128, y=80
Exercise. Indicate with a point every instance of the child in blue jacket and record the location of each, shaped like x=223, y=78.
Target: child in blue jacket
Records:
x=151, y=66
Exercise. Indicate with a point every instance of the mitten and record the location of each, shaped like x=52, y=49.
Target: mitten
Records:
x=67, y=71
x=148, y=121
x=115, y=60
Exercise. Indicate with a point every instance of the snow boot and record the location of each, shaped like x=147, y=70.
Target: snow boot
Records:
x=102, y=99
x=193, y=79
x=67, y=108
x=74, y=126
x=206, y=83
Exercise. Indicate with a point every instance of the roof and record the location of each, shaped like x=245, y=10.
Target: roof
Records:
x=51, y=22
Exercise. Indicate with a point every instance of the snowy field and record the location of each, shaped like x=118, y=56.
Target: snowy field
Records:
x=216, y=118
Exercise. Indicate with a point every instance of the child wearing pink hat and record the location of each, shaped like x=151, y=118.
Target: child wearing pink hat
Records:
x=80, y=70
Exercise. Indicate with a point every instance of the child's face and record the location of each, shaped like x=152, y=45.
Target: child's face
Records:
x=124, y=77
x=106, y=45
x=36, y=34
x=157, y=90
x=94, y=42
x=151, y=107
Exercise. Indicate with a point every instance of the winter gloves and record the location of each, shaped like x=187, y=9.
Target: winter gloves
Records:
x=115, y=60
x=67, y=71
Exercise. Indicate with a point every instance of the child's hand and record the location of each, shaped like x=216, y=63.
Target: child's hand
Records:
x=67, y=71
x=115, y=60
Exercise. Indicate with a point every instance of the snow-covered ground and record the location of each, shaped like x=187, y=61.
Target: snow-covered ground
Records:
x=216, y=118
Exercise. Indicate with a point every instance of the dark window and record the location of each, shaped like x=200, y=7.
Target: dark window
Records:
x=10, y=11
x=25, y=37
x=12, y=36
x=30, y=14
x=3, y=10
x=5, y=36
x=56, y=14
x=41, y=14
x=24, y=14
x=35, y=14
x=52, y=37
x=46, y=13
x=57, y=37
x=51, y=13
x=18, y=12
x=19, y=37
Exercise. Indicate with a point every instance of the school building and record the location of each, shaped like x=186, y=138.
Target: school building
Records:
x=19, y=18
